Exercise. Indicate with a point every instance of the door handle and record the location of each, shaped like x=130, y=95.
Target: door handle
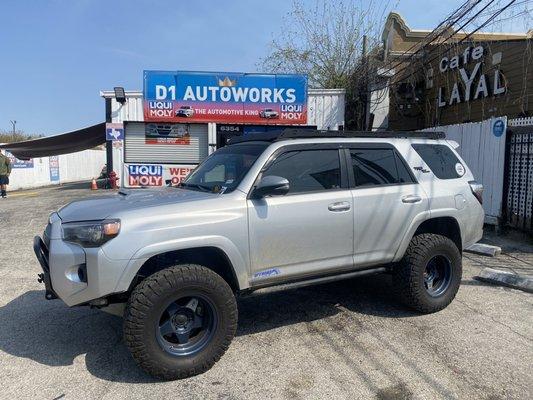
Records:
x=412, y=198
x=339, y=206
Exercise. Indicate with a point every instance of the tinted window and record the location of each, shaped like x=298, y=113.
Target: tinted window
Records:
x=223, y=170
x=308, y=170
x=440, y=159
x=378, y=167
x=403, y=173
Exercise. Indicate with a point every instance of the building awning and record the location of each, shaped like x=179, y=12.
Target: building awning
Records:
x=71, y=142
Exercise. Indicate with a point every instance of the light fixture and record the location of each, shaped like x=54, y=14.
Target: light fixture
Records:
x=120, y=95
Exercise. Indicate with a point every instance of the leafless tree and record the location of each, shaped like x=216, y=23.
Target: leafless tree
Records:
x=325, y=40
x=19, y=136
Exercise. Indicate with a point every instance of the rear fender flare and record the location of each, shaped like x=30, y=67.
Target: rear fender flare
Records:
x=409, y=233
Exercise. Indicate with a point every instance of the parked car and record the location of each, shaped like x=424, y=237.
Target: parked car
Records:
x=268, y=113
x=185, y=111
x=294, y=208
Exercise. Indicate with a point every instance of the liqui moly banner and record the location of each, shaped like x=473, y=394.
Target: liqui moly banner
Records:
x=224, y=97
x=145, y=175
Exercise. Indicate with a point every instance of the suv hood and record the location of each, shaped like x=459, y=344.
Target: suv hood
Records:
x=101, y=207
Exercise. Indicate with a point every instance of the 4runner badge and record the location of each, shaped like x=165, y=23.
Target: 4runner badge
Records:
x=421, y=169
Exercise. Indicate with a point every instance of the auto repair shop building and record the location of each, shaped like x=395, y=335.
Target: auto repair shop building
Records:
x=182, y=117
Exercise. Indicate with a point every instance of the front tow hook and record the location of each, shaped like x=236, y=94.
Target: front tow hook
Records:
x=49, y=293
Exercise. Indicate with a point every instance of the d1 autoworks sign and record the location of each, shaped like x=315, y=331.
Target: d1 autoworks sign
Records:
x=225, y=97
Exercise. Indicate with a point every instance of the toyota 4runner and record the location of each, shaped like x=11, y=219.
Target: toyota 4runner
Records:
x=296, y=207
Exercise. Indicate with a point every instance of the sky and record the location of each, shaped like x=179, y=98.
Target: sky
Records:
x=56, y=55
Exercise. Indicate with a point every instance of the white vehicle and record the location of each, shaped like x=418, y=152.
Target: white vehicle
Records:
x=296, y=208
x=268, y=113
x=185, y=111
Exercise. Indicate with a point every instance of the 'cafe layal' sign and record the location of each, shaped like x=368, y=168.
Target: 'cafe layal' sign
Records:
x=224, y=97
x=475, y=85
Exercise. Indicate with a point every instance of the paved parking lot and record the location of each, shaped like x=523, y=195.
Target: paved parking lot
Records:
x=344, y=340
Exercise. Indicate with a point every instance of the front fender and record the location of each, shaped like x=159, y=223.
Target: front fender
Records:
x=224, y=244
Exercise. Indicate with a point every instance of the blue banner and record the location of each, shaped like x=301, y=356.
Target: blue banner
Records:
x=53, y=162
x=225, y=97
x=16, y=163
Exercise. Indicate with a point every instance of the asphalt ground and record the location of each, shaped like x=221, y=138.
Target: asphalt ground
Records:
x=344, y=340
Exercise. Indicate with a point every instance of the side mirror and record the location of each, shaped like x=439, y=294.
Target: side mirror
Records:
x=271, y=186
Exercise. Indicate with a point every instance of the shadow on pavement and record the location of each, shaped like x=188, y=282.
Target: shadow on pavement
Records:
x=372, y=295
x=52, y=334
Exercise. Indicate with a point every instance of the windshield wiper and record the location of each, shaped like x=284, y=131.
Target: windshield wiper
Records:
x=195, y=185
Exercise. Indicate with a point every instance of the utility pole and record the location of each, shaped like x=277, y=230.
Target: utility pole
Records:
x=365, y=96
x=14, y=123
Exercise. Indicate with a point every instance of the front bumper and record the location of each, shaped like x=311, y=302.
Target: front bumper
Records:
x=74, y=274
x=41, y=252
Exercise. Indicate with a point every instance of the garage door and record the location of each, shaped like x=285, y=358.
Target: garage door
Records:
x=165, y=143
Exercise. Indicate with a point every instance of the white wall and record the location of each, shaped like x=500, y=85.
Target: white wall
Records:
x=379, y=106
x=73, y=167
x=325, y=108
x=484, y=153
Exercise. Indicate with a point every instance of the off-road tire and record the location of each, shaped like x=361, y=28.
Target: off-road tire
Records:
x=408, y=275
x=146, y=304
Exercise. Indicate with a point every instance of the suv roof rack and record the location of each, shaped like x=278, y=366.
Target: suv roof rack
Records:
x=286, y=134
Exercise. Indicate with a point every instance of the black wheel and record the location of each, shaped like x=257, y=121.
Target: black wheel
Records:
x=180, y=321
x=428, y=277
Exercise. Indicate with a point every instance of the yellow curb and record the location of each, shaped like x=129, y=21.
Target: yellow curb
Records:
x=29, y=194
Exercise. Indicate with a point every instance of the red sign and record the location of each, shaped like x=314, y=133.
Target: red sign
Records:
x=178, y=174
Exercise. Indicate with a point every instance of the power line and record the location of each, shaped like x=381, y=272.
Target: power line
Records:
x=451, y=36
x=435, y=31
x=446, y=50
x=424, y=46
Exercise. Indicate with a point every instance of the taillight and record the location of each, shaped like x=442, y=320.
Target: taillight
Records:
x=477, y=190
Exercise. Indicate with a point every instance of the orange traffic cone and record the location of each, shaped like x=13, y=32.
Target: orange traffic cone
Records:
x=93, y=185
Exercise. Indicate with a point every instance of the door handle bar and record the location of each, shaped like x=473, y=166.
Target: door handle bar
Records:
x=412, y=198
x=342, y=206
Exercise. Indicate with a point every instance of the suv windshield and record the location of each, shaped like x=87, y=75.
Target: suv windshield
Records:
x=222, y=171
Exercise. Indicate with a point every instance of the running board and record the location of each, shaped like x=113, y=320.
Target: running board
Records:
x=314, y=281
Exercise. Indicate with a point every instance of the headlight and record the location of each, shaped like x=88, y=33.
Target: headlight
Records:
x=91, y=233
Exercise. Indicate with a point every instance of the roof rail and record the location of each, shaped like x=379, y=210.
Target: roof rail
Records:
x=295, y=133
x=303, y=133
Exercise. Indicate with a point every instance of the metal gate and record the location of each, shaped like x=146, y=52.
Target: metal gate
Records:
x=519, y=182
x=137, y=149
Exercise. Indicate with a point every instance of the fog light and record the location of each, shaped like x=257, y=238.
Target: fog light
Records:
x=82, y=273
x=77, y=273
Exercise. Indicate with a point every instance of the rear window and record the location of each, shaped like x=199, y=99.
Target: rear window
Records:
x=441, y=160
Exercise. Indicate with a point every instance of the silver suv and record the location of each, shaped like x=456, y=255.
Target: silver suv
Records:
x=297, y=207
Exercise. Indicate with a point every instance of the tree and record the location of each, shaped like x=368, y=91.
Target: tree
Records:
x=19, y=136
x=326, y=41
